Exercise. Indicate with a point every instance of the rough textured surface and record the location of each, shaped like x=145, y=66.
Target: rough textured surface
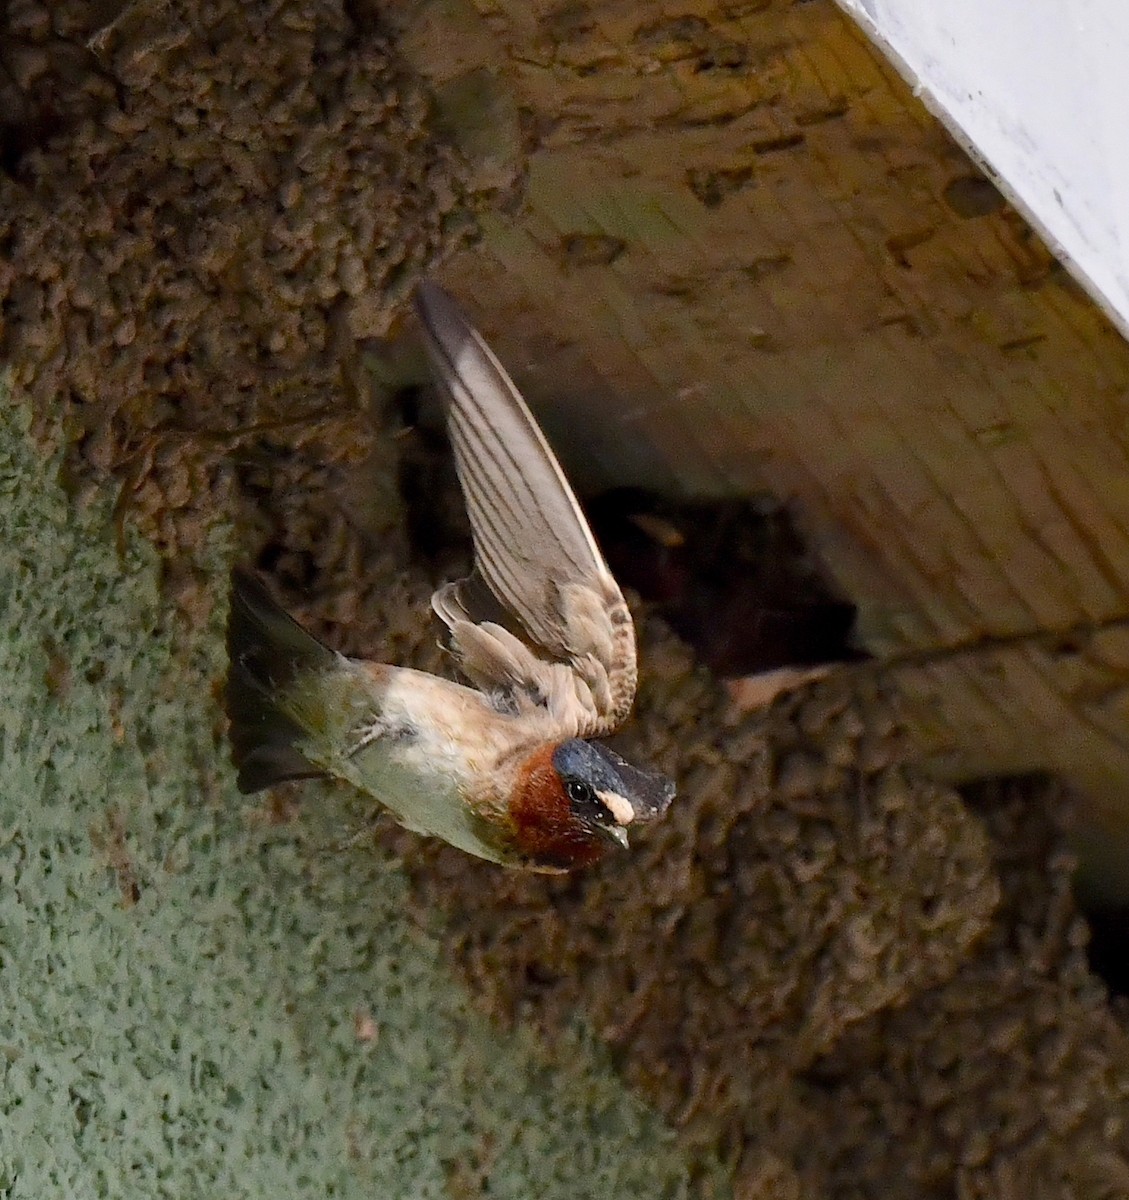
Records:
x=802, y=883
x=200, y=998
x=1009, y=1081
x=204, y=206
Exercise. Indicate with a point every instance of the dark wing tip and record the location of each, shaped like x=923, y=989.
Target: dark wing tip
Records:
x=441, y=317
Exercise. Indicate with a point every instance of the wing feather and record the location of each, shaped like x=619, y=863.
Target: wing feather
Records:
x=533, y=547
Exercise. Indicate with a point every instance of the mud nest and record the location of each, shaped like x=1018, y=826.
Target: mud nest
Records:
x=205, y=206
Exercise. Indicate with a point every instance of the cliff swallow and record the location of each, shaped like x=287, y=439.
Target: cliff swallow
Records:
x=502, y=769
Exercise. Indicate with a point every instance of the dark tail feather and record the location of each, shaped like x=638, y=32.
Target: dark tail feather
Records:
x=266, y=650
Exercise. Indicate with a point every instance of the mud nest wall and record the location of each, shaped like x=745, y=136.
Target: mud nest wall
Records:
x=837, y=977
x=205, y=206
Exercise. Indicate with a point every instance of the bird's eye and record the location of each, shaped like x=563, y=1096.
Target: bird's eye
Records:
x=579, y=793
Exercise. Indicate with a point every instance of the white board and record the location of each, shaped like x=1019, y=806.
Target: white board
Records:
x=1038, y=90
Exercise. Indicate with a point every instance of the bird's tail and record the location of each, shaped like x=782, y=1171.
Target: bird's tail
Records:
x=267, y=652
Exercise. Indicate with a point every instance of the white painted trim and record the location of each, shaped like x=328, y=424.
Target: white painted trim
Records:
x=1038, y=92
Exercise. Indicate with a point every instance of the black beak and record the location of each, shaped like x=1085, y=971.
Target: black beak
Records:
x=614, y=833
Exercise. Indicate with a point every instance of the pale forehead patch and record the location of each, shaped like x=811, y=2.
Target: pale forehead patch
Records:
x=619, y=807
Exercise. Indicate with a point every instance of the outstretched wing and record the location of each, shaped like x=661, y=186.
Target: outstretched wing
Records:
x=533, y=549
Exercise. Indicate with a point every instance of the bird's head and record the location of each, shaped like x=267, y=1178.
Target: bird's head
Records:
x=575, y=799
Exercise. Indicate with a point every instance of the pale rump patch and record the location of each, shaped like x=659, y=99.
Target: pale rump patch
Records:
x=619, y=807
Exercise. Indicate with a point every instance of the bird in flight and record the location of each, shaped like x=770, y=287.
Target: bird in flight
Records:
x=504, y=769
